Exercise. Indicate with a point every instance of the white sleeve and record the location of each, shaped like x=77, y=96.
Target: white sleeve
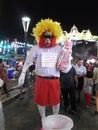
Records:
x=29, y=59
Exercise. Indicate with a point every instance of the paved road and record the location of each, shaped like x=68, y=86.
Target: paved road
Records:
x=23, y=115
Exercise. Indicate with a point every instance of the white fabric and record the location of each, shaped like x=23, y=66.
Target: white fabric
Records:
x=25, y=68
x=88, y=83
x=49, y=59
x=35, y=56
x=21, y=79
x=67, y=68
x=1, y=82
x=42, y=112
x=80, y=70
x=27, y=63
x=56, y=108
x=22, y=76
x=87, y=90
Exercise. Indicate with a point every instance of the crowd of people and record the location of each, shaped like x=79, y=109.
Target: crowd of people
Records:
x=87, y=82
x=81, y=79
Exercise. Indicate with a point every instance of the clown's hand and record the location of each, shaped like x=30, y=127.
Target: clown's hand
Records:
x=21, y=79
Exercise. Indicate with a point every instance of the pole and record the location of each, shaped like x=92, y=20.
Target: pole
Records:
x=25, y=22
x=25, y=47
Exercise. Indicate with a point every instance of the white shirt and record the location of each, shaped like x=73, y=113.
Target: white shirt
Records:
x=80, y=70
x=44, y=64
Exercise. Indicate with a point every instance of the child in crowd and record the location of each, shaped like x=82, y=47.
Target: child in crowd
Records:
x=88, y=84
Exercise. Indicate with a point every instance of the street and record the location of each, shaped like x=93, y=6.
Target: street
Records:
x=21, y=115
x=24, y=115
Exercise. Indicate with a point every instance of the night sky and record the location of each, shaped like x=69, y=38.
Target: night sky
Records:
x=82, y=13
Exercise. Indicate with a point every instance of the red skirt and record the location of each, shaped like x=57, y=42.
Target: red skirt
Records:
x=47, y=91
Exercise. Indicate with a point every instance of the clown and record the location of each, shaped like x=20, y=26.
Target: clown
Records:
x=45, y=55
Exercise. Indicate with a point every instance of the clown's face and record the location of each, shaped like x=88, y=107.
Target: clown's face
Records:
x=47, y=40
x=47, y=36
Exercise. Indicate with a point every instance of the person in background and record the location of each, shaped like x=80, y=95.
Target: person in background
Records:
x=69, y=82
x=7, y=64
x=89, y=66
x=68, y=77
x=4, y=77
x=95, y=78
x=81, y=72
x=88, y=87
x=13, y=62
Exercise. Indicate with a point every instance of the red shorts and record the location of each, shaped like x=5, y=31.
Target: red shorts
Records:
x=47, y=91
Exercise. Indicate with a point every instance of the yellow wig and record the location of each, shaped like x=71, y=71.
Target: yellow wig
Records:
x=47, y=25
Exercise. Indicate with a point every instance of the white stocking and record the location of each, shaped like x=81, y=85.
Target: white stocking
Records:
x=42, y=112
x=56, y=108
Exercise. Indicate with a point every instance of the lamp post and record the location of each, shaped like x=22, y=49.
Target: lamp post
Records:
x=25, y=22
x=97, y=48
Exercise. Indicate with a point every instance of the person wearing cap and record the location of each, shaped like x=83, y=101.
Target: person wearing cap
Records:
x=45, y=55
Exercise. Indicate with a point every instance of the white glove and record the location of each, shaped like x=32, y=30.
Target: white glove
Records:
x=21, y=79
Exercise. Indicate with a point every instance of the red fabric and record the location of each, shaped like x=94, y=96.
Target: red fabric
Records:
x=46, y=91
x=88, y=99
x=42, y=42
